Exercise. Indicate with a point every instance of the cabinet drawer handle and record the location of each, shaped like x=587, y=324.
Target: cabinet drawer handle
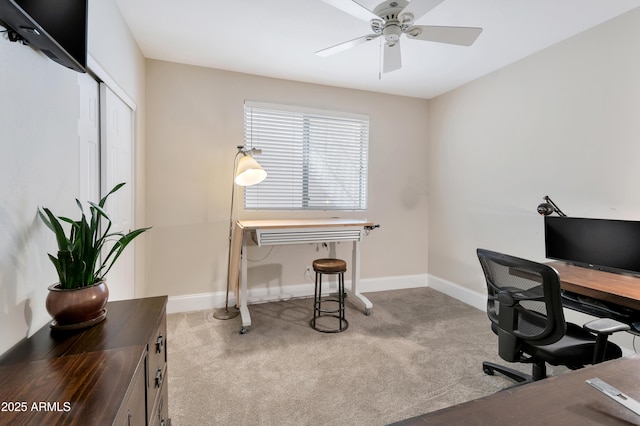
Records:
x=159, y=344
x=159, y=377
x=160, y=416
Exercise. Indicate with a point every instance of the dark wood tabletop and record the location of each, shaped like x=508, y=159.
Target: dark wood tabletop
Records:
x=559, y=400
x=116, y=331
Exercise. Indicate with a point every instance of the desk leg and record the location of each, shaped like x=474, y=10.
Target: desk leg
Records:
x=244, y=309
x=234, y=263
x=355, y=278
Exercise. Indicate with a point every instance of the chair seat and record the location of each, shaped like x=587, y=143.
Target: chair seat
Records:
x=574, y=349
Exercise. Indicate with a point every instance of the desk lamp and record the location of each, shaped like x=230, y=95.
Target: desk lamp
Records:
x=549, y=207
x=247, y=172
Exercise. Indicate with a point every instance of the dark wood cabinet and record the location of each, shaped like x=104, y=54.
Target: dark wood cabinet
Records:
x=114, y=373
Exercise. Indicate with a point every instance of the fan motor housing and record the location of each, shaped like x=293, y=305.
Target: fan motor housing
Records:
x=390, y=26
x=389, y=10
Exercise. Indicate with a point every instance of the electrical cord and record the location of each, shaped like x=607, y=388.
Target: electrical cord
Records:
x=262, y=258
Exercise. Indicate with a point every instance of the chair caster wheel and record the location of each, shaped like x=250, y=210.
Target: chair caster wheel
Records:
x=243, y=330
x=367, y=312
x=488, y=371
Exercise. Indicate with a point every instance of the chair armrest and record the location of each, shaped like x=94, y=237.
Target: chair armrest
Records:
x=605, y=326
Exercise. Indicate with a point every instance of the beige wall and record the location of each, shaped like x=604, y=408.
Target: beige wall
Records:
x=564, y=122
x=39, y=159
x=194, y=123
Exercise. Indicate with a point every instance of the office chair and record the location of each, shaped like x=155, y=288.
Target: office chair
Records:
x=524, y=305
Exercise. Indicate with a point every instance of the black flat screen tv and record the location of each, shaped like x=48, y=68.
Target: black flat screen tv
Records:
x=58, y=28
x=604, y=244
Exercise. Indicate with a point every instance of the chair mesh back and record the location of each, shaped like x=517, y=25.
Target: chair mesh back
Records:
x=527, y=293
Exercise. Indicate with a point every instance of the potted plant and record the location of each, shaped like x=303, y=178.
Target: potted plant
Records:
x=78, y=300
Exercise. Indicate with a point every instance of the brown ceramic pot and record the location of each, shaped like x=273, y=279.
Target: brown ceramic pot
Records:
x=77, y=306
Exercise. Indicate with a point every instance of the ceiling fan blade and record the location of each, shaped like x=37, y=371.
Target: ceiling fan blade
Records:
x=418, y=8
x=392, y=59
x=353, y=8
x=346, y=45
x=462, y=36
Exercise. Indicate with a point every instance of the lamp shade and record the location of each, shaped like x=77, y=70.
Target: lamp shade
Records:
x=249, y=172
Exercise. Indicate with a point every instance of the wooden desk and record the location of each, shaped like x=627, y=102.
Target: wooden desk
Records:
x=609, y=287
x=559, y=400
x=292, y=231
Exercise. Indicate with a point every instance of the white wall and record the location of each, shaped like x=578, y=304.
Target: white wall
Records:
x=564, y=122
x=39, y=161
x=38, y=166
x=195, y=121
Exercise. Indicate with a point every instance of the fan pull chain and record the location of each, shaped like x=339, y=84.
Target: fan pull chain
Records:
x=380, y=59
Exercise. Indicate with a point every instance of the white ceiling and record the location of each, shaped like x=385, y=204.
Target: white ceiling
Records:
x=278, y=38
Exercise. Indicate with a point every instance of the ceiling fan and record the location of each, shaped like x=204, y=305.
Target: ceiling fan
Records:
x=391, y=19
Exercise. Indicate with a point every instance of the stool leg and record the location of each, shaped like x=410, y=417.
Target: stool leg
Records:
x=341, y=299
x=316, y=300
x=319, y=294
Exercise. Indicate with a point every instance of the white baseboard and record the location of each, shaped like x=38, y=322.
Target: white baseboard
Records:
x=197, y=302
x=204, y=301
x=463, y=294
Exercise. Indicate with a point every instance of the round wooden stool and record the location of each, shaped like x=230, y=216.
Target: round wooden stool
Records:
x=331, y=267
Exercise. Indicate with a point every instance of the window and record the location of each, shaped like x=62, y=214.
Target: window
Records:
x=315, y=160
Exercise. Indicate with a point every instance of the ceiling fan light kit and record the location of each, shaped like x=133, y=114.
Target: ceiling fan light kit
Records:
x=391, y=19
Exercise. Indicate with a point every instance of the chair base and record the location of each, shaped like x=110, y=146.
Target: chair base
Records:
x=539, y=372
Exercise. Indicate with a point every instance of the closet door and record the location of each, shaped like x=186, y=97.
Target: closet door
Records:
x=89, y=139
x=117, y=136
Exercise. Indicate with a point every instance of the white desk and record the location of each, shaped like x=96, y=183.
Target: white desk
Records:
x=294, y=231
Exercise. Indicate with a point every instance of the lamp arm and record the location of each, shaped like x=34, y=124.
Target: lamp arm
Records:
x=556, y=208
x=242, y=149
x=233, y=199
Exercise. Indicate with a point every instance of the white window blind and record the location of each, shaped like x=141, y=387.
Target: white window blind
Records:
x=315, y=160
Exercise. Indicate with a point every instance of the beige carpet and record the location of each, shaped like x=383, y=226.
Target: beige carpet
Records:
x=418, y=351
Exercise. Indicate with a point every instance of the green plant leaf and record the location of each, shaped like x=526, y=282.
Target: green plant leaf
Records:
x=56, y=227
x=118, y=248
x=78, y=263
x=115, y=188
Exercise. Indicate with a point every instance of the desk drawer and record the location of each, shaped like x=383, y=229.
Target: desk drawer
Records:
x=160, y=410
x=157, y=362
x=306, y=235
x=132, y=412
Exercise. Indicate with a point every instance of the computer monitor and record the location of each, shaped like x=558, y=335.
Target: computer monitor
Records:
x=604, y=244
